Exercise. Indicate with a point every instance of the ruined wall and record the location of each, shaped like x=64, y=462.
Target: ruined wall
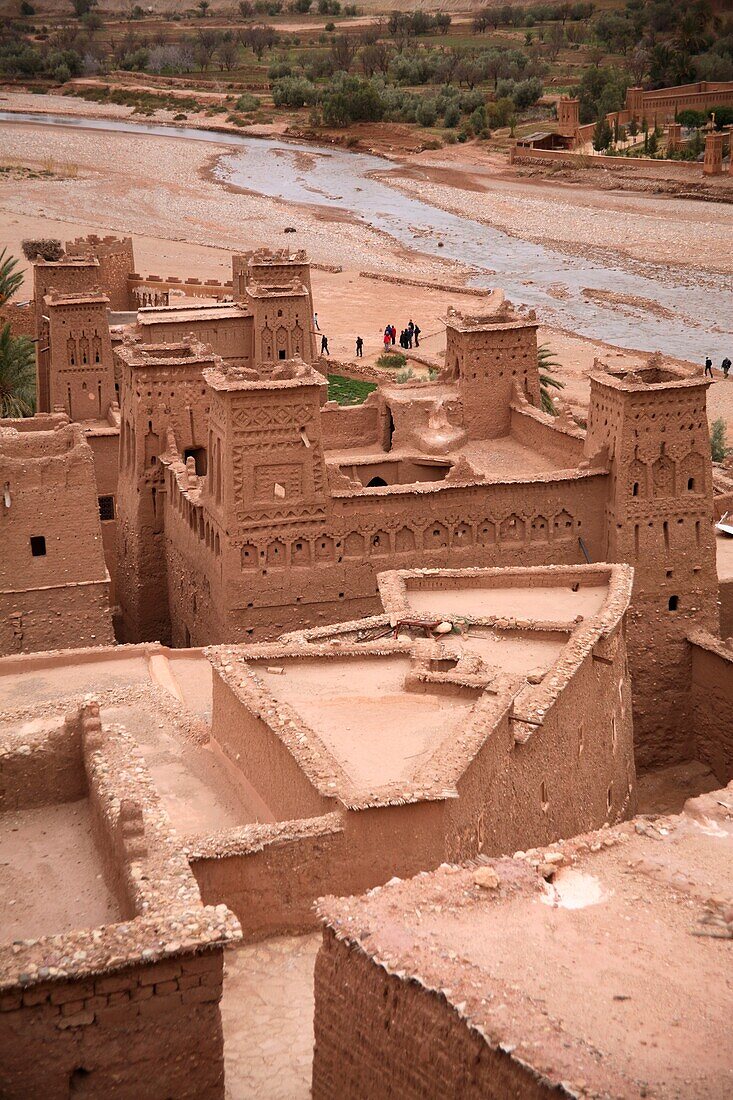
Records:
x=373, y=1033
x=712, y=703
x=142, y=1032
x=54, y=588
x=21, y=318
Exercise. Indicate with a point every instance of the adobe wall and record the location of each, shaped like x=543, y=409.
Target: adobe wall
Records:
x=712, y=703
x=575, y=770
x=660, y=521
x=52, y=771
x=58, y=597
x=525, y=523
x=116, y=264
x=725, y=593
x=62, y=616
x=254, y=749
x=664, y=104
x=105, y=445
x=346, y=426
x=20, y=317
x=554, y=437
x=269, y=875
x=229, y=337
x=638, y=166
x=387, y=1025
x=141, y=1032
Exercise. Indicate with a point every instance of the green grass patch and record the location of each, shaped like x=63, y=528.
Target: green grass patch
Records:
x=392, y=360
x=348, y=391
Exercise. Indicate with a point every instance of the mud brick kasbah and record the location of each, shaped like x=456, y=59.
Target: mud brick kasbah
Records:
x=260, y=649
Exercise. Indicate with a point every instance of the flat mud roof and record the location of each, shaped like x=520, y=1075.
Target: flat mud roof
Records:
x=611, y=979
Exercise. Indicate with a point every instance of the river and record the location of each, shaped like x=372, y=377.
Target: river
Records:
x=684, y=318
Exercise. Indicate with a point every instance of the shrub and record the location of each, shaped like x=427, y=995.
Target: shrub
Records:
x=247, y=103
x=330, y=27
x=293, y=92
x=452, y=115
x=426, y=114
x=718, y=449
x=392, y=360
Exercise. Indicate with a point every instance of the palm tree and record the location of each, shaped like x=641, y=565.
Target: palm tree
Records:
x=546, y=363
x=17, y=357
x=17, y=375
x=10, y=279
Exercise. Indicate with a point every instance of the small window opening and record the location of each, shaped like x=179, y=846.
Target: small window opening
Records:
x=544, y=797
x=38, y=546
x=281, y=353
x=635, y=490
x=376, y=481
x=609, y=799
x=673, y=603
x=691, y=485
x=198, y=454
x=106, y=508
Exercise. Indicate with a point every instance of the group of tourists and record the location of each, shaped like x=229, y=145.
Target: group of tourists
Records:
x=407, y=336
x=724, y=366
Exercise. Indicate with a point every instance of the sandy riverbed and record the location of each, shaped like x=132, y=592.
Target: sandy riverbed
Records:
x=161, y=192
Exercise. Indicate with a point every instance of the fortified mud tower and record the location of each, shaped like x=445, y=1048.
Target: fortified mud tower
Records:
x=81, y=371
x=268, y=486
x=659, y=519
x=488, y=358
x=161, y=390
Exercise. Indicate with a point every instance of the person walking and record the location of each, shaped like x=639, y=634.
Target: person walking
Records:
x=315, y=322
x=324, y=346
x=708, y=367
x=359, y=347
x=416, y=334
x=725, y=366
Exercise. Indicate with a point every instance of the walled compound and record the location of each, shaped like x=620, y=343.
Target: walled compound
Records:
x=443, y=625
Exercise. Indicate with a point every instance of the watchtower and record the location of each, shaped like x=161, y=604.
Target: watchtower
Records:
x=653, y=425
x=80, y=371
x=488, y=357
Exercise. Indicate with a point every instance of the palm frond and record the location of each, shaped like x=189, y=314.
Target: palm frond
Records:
x=546, y=362
x=17, y=375
x=10, y=279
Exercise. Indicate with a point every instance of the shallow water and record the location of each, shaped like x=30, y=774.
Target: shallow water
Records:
x=531, y=274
